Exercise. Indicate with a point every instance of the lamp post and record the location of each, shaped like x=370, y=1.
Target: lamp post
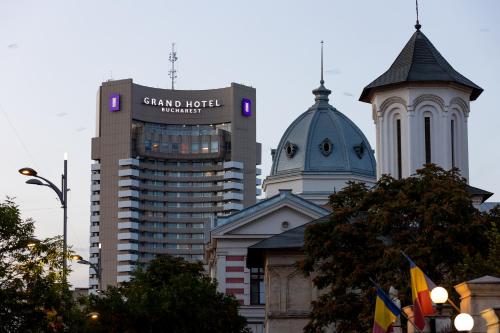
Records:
x=97, y=268
x=62, y=193
x=463, y=321
x=439, y=296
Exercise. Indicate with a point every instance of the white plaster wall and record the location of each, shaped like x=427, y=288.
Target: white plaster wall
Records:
x=303, y=183
x=272, y=186
x=270, y=224
x=237, y=241
x=411, y=104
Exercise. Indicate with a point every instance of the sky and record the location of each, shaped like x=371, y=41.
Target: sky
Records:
x=55, y=54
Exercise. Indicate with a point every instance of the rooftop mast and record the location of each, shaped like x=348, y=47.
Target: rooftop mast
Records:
x=172, y=73
x=322, y=81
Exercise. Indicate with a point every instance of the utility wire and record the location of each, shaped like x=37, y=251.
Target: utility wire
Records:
x=18, y=137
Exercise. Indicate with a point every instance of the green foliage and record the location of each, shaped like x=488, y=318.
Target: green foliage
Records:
x=33, y=296
x=490, y=264
x=169, y=295
x=428, y=216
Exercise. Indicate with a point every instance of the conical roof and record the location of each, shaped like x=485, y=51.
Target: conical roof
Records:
x=420, y=61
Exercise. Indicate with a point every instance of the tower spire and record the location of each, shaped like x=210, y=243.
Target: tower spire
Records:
x=172, y=73
x=321, y=92
x=417, y=25
x=322, y=81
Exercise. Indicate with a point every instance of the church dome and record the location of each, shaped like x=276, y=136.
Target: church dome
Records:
x=323, y=140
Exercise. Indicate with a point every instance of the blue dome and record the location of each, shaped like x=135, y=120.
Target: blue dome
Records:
x=323, y=140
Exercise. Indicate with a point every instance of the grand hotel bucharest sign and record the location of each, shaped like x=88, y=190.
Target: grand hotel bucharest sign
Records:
x=186, y=106
x=178, y=106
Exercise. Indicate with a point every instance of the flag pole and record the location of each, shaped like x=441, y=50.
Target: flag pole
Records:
x=401, y=311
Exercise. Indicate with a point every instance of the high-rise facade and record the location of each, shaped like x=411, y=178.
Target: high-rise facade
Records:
x=167, y=162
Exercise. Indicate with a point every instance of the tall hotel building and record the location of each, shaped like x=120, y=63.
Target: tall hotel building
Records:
x=167, y=162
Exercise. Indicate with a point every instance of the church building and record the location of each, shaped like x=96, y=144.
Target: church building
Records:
x=317, y=155
x=420, y=107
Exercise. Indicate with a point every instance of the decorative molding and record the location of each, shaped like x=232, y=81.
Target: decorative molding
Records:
x=462, y=104
x=392, y=100
x=428, y=97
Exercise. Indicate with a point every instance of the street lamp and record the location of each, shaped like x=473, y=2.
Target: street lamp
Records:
x=439, y=295
x=93, y=315
x=97, y=268
x=464, y=322
x=32, y=242
x=63, y=197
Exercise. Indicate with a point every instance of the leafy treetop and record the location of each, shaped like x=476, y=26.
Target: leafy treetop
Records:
x=429, y=216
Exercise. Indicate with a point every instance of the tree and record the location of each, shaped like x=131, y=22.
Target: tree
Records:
x=168, y=295
x=429, y=216
x=33, y=296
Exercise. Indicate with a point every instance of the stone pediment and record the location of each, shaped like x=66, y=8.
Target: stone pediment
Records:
x=269, y=217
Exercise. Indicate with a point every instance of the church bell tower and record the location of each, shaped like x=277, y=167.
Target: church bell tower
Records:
x=420, y=107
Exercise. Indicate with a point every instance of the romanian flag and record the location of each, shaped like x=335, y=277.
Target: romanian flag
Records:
x=386, y=313
x=421, y=287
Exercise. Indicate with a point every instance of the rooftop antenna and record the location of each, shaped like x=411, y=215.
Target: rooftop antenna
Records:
x=322, y=81
x=172, y=73
x=417, y=26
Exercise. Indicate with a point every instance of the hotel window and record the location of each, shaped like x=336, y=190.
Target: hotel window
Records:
x=165, y=148
x=147, y=145
x=452, y=134
x=398, y=147
x=257, y=288
x=204, y=147
x=214, y=146
x=427, y=138
x=195, y=147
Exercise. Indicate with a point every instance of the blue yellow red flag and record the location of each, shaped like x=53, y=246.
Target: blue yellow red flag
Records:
x=386, y=313
x=421, y=287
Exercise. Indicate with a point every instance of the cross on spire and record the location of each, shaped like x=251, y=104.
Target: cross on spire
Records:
x=418, y=25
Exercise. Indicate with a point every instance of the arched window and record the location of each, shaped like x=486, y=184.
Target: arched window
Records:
x=452, y=141
x=427, y=138
x=398, y=149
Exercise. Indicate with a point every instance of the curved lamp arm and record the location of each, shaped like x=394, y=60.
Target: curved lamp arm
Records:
x=54, y=187
x=94, y=266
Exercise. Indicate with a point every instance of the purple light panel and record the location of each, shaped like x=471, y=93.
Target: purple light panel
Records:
x=114, y=102
x=246, y=107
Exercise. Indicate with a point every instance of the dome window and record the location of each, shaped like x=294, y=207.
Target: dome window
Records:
x=360, y=150
x=290, y=149
x=326, y=147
